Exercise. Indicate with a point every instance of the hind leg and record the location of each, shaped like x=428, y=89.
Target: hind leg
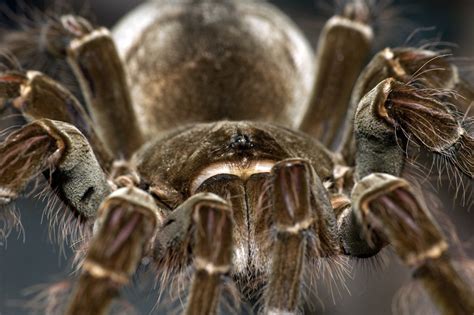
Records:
x=94, y=60
x=72, y=45
x=343, y=47
x=36, y=96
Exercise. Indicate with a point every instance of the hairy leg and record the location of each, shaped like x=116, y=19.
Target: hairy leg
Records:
x=37, y=96
x=94, y=60
x=210, y=218
x=301, y=209
x=343, y=48
x=125, y=226
x=394, y=109
x=436, y=78
x=54, y=146
x=292, y=218
x=69, y=46
x=390, y=106
x=387, y=208
x=212, y=255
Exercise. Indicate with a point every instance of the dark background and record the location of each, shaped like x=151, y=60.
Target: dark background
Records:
x=37, y=261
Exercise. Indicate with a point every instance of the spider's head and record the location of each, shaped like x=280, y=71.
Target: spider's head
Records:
x=234, y=160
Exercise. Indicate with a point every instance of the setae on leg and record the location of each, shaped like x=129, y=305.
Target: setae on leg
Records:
x=95, y=62
x=204, y=224
x=343, y=47
x=426, y=75
x=301, y=209
x=387, y=208
x=48, y=145
x=126, y=223
x=37, y=96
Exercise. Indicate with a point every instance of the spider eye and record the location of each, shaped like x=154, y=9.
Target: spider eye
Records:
x=241, y=142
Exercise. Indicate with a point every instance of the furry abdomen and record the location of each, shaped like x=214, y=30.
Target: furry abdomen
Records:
x=198, y=61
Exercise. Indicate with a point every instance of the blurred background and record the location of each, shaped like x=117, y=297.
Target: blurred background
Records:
x=376, y=281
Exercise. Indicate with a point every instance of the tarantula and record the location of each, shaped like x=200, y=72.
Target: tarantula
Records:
x=208, y=143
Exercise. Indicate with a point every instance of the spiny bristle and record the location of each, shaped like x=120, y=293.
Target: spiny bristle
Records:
x=65, y=229
x=437, y=172
x=10, y=222
x=49, y=298
x=463, y=154
x=426, y=121
x=412, y=299
x=372, y=265
x=422, y=116
x=173, y=287
x=329, y=274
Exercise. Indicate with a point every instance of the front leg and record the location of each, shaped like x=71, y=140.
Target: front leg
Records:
x=304, y=231
x=212, y=255
x=292, y=219
x=384, y=207
x=441, y=83
x=126, y=223
x=210, y=218
x=393, y=109
x=48, y=145
x=387, y=208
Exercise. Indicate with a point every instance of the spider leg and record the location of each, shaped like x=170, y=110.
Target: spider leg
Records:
x=394, y=106
x=212, y=255
x=296, y=216
x=95, y=62
x=386, y=206
x=344, y=45
x=61, y=148
x=434, y=72
x=209, y=217
x=37, y=96
x=127, y=221
x=388, y=106
x=292, y=217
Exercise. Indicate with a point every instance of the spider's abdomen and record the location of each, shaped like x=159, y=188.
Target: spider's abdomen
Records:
x=198, y=61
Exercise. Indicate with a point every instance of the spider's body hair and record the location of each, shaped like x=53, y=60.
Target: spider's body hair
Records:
x=10, y=221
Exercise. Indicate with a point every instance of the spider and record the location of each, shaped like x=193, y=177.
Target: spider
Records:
x=211, y=144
